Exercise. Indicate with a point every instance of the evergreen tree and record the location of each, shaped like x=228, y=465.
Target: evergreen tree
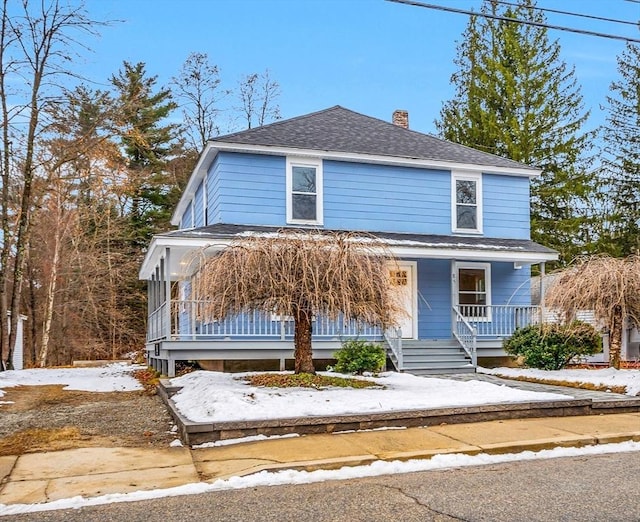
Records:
x=516, y=98
x=147, y=145
x=621, y=159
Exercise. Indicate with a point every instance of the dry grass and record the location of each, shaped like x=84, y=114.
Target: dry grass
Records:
x=306, y=380
x=39, y=439
x=149, y=379
x=570, y=384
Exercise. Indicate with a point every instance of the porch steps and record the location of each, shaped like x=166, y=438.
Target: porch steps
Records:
x=433, y=357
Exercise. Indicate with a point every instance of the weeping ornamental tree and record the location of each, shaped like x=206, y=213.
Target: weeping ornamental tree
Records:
x=301, y=274
x=608, y=286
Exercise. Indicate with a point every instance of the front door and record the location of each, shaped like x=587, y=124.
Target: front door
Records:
x=402, y=277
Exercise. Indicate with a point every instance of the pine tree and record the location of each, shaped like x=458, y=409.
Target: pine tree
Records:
x=516, y=98
x=621, y=159
x=147, y=145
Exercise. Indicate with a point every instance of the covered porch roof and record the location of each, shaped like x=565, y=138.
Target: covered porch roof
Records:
x=185, y=245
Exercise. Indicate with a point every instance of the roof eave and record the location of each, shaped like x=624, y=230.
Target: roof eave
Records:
x=207, y=156
x=159, y=243
x=374, y=158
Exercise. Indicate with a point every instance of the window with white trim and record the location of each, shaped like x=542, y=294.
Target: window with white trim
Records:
x=474, y=290
x=466, y=203
x=304, y=191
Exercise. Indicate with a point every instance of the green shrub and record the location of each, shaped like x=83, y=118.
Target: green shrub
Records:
x=359, y=356
x=552, y=346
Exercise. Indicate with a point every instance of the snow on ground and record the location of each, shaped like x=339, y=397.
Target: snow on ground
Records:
x=277, y=478
x=114, y=377
x=214, y=397
x=603, y=377
x=217, y=396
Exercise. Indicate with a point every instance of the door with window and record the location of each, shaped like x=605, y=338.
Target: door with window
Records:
x=402, y=278
x=473, y=290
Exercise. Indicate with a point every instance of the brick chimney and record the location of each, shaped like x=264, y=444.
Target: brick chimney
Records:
x=401, y=118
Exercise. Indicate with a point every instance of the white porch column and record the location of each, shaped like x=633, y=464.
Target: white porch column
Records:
x=167, y=291
x=542, y=290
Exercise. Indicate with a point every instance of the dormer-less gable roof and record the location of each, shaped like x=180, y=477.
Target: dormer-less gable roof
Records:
x=344, y=135
x=341, y=130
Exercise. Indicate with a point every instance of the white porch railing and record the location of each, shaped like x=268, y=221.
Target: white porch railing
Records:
x=393, y=336
x=156, y=324
x=469, y=323
x=466, y=334
x=188, y=323
x=498, y=320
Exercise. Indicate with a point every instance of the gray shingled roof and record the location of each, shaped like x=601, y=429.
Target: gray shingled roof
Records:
x=341, y=130
x=224, y=231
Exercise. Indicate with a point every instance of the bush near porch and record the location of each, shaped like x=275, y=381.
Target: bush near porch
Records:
x=358, y=356
x=553, y=346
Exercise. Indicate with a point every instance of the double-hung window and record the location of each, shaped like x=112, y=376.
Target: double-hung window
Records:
x=474, y=289
x=466, y=204
x=304, y=191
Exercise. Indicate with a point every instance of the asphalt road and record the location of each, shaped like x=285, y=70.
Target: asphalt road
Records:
x=603, y=488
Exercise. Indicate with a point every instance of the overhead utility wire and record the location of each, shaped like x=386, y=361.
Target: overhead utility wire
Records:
x=518, y=21
x=593, y=17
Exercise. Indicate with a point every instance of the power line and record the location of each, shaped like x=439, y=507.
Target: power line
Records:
x=518, y=21
x=593, y=17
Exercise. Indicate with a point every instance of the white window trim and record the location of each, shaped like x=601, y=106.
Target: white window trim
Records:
x=205, y=210
x=466, y=176
x=305, y=162
x=487, y=277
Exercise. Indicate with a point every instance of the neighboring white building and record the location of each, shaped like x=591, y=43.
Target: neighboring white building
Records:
x=18, y=352
x=630, y=350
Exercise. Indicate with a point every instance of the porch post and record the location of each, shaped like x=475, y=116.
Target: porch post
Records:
x=159, y=276
x=542, y=290
x=167, y=291
x=171, y=368
x=151, y=298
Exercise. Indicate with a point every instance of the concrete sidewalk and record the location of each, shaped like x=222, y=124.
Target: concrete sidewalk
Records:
x=45, y=477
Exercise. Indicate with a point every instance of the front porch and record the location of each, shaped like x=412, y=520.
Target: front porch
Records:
x=177, y=333
x=462, y=297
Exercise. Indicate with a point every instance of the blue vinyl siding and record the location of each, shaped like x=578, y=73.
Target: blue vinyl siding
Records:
x=386, y=198
x=186, y=221
x=185, y=294
x=506, y=206
x=250, y=189
x=213, y=194
x=508, y=287
x=198, y=208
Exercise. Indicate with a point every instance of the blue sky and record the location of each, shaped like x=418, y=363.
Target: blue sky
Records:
x=370, y=56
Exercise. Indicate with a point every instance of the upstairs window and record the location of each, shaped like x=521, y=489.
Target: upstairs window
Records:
x=466, y=203
x=304, y=191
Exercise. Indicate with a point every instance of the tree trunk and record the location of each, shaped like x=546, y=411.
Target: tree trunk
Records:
x=302, y=342
x=615, y=337
x=50, y=297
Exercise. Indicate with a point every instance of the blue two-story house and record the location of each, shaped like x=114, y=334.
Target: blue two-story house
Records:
x=456, y=219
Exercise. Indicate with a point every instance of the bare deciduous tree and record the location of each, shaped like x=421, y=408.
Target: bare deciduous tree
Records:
x=199, y=92
x=301, y=274
x=37, y=43
x=608, y=286
x=257, y=94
